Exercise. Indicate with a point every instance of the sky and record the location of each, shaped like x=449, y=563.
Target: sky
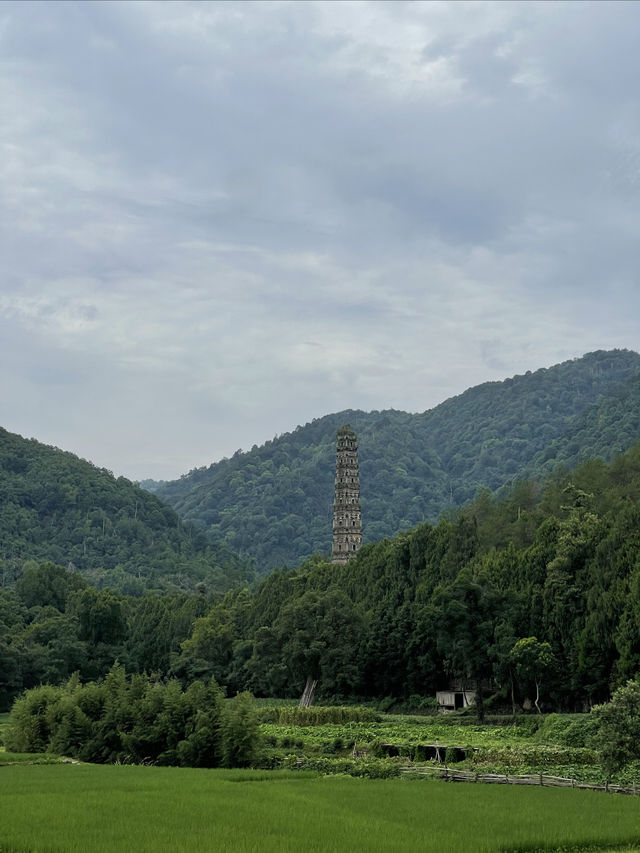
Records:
x=222, y=220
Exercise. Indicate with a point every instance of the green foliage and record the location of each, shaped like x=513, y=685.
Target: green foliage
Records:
x=568, y=729
x=537, y=589
x=56, y=507
x=533, y=661
x=29, y=728
x=52, y=624
x=136, y=720
x=273, y=502
x=618, y=734
x=541, y=603
x=240, y=732
x=409, y=735
x=463, y=614
x=559, y=747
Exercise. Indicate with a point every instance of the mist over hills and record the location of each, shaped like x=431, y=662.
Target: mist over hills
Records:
x=274, y=502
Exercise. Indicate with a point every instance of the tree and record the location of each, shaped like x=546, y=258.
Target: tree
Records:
x=319, y=634
x=47, y=585
x=465, y=613
x=534, y=662
x=618, y=722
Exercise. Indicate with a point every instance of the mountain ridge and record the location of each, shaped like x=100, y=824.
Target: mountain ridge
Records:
x=273, y=502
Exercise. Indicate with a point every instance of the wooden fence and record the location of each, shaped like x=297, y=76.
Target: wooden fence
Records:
x=450, y=775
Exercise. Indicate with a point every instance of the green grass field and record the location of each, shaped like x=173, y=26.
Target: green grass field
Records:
x=108, y=809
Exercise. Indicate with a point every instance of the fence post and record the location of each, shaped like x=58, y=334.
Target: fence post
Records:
x=541, y=778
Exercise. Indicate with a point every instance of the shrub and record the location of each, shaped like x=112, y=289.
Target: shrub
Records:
x=136, y=720
x=240, y=733
x=567, y=729
x=29, y=728
x=618, y=727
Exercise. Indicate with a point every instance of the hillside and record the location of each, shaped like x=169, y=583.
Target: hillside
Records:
x=55, y=506
x=538, y=585
x=545, y=574
x=274, y=502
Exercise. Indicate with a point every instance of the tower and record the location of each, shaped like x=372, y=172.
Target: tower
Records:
x=347, y=517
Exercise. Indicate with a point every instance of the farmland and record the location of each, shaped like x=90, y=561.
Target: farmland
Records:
x=313, y=802
x=387, y=745
x=111, y=808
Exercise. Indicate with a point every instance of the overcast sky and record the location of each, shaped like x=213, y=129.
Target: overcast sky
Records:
x=221, y=220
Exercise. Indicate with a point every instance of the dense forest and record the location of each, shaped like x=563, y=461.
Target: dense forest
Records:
x=274, y=502
x=534, y=593
x=57, y=507
x=53, y=623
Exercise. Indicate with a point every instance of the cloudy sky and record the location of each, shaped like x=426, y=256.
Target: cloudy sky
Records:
x=221, y=220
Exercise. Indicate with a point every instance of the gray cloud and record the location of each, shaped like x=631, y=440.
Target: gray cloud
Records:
x=219, y=220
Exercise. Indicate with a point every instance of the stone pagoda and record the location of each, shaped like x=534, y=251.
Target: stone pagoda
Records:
x=347, y=517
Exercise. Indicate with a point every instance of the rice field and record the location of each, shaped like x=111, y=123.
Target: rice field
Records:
x=108, y=809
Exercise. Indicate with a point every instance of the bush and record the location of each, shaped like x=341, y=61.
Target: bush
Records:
x=618, y=728
x=30, y=720
x=240, y=732
x=138, y=721
x=568, y=729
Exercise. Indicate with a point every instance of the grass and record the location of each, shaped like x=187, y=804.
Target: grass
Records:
x=107, y=809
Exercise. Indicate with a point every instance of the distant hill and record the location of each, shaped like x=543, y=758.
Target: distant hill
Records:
x=274, y=502
x=57, y=507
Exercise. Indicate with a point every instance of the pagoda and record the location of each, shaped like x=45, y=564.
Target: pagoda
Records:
x=347, y=516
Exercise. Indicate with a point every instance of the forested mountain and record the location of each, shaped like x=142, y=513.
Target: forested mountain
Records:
x=274, y=502
x=536, y=590
x=55, y=506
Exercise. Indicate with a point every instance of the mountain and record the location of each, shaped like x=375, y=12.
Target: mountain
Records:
x=274, y=502
x=538, y=588
x=538, y=584
x=57, y=507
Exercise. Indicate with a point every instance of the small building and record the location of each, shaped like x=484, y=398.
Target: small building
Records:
x=455, y=700
x=458, y=694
